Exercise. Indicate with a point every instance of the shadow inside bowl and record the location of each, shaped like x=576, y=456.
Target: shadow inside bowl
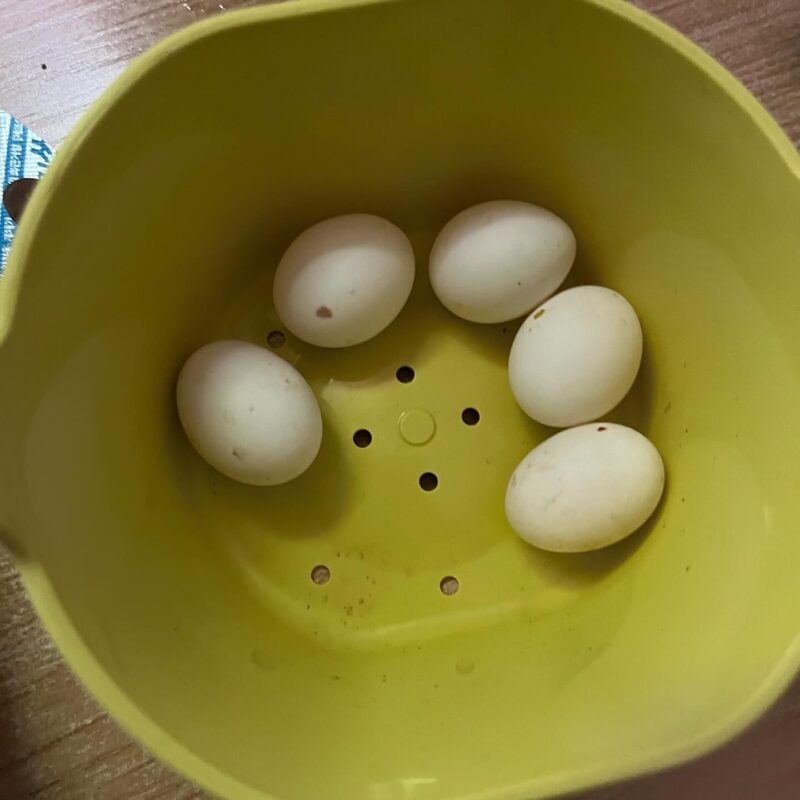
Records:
x=308, y=506
x=580, y=570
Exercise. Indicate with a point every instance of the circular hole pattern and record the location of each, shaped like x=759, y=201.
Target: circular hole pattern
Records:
x=362, y=438
x=428, y=481
x=470, y=416
x=405, y=374
x=449, y=585
x=276, y=339
x=320, y=574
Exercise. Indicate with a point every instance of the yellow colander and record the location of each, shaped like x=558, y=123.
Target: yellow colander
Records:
x=355, y=635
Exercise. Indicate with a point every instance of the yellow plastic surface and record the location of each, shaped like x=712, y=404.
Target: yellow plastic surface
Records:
x=185, y=601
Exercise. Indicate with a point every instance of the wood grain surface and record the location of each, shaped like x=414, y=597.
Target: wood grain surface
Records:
x=56, y=56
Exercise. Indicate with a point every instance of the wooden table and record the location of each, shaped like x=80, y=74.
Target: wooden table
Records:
x=56, y=56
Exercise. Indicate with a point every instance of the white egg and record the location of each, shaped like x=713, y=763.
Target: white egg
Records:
x=249, y=413
x=585, y=488
x=344, y=280
x=496, y=261
x=576, y=356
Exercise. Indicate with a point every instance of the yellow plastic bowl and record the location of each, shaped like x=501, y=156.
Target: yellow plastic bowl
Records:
x=185, y=601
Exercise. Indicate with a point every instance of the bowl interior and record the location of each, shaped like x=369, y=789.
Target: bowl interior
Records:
x=161, y=231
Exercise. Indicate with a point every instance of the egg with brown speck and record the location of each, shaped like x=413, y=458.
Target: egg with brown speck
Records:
x=344, y=280
x=249, y=413
x=585, y=488
x=576, y=356
x=495, y=261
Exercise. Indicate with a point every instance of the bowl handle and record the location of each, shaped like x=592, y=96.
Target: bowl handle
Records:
x=16, y=195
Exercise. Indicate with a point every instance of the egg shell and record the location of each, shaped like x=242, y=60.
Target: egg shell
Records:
x=344, y=280
x=249, y=413
x=585, y=488
x=576, y=357
x=496, y=261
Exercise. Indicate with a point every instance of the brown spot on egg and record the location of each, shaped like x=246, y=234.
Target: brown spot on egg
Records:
x=323, y=312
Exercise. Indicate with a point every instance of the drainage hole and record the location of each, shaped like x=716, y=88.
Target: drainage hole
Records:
x=320, y=574
x=276, y=339
x=405, y=374
x=428, y=481
x=449, y=585
x=362, y=438
x=470, y=416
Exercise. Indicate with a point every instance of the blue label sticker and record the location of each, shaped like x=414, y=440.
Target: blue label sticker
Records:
x=22, y=155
